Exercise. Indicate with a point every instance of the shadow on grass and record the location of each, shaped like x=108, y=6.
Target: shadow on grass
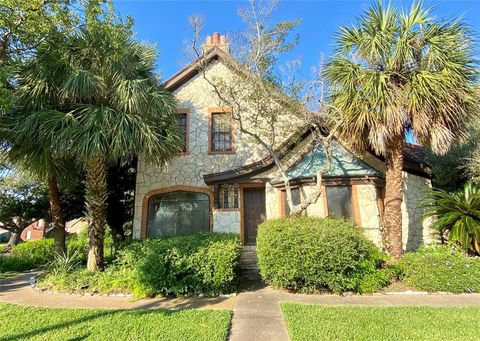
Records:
x=61, y=325
x=66, y=324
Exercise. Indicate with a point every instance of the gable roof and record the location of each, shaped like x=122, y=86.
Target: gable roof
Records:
x=414, y=155
x=344, y=164
x=191, y=70
x=414, y=163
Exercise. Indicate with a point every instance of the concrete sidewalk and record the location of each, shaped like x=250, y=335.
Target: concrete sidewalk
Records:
x=17, y=290
x=256, y=309
x=257, y=314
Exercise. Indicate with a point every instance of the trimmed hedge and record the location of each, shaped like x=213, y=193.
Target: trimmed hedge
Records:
x=38, y=253
x=310, y=254
x=441, y=269
x=197, y=264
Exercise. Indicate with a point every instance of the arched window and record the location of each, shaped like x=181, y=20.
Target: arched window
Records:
x=177, y=213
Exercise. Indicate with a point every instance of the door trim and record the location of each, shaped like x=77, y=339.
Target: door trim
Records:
x=242, y=220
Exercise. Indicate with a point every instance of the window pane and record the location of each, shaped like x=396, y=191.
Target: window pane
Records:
x=339, y=201
x=178, y=213
x=221, y=133
x=182, y=127
x=296, y=199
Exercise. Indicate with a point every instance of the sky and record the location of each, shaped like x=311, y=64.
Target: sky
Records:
x=165, y=23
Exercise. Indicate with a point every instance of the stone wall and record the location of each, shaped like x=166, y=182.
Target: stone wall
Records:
x=369, y=212
x=197, y=97
x=226, y=221
x=415, y=229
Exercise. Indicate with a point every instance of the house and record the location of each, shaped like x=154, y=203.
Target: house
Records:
x=224, y=182
x=34, y=231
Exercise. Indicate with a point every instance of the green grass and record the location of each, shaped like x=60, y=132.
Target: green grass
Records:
x=28, y=323
x=319, y=322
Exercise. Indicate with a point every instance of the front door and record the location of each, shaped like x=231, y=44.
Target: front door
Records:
x=253, y=212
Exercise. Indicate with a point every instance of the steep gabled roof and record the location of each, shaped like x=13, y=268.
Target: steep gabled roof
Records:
x=414, y=163
x=414, y=155
x=190, y=71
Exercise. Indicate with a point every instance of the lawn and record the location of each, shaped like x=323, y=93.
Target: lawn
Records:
x=319, y=322
x=28, y=323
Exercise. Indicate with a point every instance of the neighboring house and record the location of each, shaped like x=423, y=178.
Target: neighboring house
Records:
x=76, y=226
x=224, y=182
x=34, y=231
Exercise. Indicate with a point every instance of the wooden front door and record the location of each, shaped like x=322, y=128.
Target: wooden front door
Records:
x=253, y=213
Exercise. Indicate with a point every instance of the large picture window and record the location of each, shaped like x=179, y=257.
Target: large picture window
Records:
x=339, y=201
x=220, y=134
x=178, y=213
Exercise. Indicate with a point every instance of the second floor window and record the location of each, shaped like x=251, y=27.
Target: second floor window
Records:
x=182, y=127
x=221, y=133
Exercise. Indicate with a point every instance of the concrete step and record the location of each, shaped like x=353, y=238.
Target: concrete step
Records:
x=249, y=248
x=248, y=256
x=249, y=262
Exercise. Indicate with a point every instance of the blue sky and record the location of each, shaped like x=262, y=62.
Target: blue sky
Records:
x=165, y=23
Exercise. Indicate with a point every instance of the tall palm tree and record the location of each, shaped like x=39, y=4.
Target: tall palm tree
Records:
x=98, y=99
x=396, y=72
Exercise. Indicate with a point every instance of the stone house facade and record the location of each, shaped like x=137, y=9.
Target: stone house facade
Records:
x=223, y=182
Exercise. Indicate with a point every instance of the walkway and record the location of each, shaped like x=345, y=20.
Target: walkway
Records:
x=257, y=314
x=256, y=309
x=17, y=290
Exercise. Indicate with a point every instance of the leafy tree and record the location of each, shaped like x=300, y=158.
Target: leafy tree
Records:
x=267, y=105
x=457, y=214
x=94, y=94
x=23, y=200
x=24, y=24
x=396, y=72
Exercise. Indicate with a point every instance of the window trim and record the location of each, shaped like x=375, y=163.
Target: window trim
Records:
x=186, y=112
x=177, y=188
x=211, y=112
x=354, y=206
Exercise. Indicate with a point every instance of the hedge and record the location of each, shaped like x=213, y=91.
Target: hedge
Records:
x=310, y=254
x=38, y=253
x=441, y=269
x=197, y=264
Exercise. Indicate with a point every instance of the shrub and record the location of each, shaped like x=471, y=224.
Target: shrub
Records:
x=309, y=254
x=441, y=268
x=205, y=263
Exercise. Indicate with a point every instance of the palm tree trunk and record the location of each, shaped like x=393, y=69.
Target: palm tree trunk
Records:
x=96, y=200
x=392, y=221
x=57, y=216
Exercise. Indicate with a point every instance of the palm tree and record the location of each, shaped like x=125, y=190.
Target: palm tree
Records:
x=97, y=98
x=397, y=72
x=457, y=214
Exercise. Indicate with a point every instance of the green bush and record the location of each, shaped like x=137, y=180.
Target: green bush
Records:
x=309, y=254
x=206, y=263
x=39, y=253
x=441, y=269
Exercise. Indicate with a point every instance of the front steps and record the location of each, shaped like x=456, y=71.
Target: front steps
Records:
x=248, y=262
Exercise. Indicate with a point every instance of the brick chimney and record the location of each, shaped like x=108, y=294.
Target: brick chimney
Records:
x=218, y=40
